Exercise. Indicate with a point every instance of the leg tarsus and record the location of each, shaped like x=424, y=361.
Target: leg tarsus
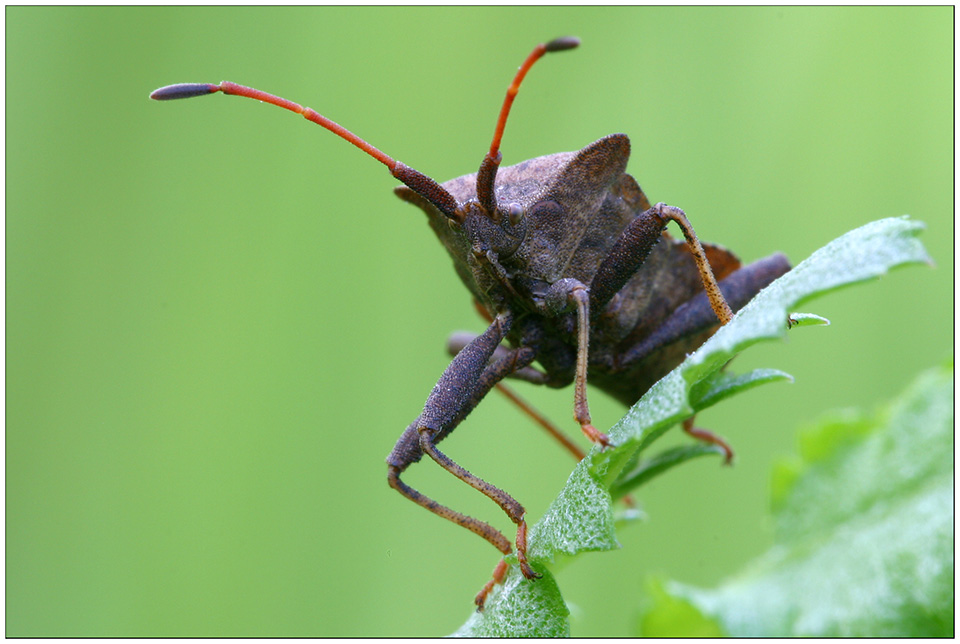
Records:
x=499, y=573
x=525, y=568
x=595, y=435
x=707, y=436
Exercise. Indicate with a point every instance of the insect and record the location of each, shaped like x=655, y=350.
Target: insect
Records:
x=572, y=268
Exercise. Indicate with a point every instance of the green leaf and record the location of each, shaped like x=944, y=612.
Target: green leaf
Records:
x=720, y=385
x=520, y=609
x=667, y=615
x=864, y=533
x=659, y=464
x=806, y=319
x=581, y=517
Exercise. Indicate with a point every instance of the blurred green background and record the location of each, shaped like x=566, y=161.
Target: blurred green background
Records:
x=219, y=318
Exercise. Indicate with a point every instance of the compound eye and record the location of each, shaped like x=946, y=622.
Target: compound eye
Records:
x=515, y=213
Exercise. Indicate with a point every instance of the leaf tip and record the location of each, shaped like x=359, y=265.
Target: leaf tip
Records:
x=806, y=319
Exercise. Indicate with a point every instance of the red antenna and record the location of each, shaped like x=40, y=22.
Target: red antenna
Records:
x=417, y=181
x=488, y=169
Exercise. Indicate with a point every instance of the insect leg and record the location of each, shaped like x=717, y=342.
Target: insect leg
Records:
x=633, y=247
x=457, y=341
x=499, y=369
x=581, y=410
x=717, y=303
x=560, y=297
x=485, y=530
x=706, y=436
x=464, y=383
x=697, y=315
x=430, y=436
x=506, y=363
x=626, y=256
x=452, y=398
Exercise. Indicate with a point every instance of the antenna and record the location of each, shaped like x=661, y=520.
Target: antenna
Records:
x=488, y=169
x=417, y=181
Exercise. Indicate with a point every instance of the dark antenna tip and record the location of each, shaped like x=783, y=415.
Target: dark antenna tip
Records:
x=560, y=44
x=183, y=90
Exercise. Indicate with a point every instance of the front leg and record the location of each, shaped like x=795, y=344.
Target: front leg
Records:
x=459, y=340
x=445, y=409
x=562, y=295
x=633, y=247
x=463, y=384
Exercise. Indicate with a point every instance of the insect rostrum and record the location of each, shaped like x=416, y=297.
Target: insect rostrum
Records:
x=572, y=267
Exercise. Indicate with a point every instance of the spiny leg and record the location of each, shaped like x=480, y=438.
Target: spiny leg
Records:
x=563, y=295
x=496, y=371
x=507, y=503
x=699, y=314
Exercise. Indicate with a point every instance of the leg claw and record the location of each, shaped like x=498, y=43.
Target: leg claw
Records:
x=529, y=572
x=596, y=436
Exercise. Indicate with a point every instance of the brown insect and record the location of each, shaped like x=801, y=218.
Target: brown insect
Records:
x=571, y=266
